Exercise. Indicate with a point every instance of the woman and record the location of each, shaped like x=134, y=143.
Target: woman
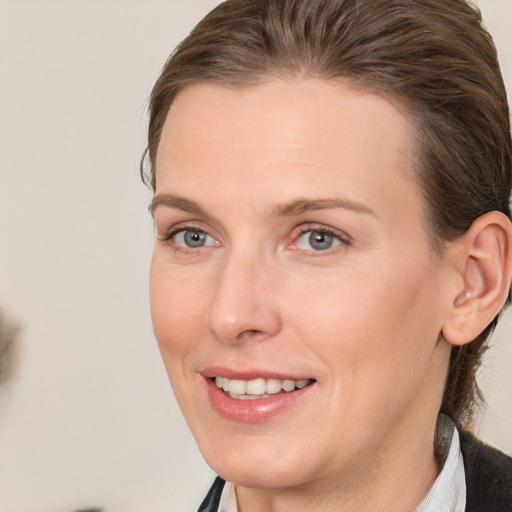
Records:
x=333, y=246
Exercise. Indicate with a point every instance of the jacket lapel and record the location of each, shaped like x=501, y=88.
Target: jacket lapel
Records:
x=211, y=502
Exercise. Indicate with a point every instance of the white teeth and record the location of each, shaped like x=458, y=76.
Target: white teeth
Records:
x=272, y=385
x=257, y=388
x=288, y=385
x=250, y=397
x=236, y=386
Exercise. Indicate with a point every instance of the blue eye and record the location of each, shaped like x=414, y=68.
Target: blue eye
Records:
x=192, y=238
x=318, y=240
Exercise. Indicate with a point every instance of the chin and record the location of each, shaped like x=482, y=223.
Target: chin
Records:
x=252, y=476
x=256, y=466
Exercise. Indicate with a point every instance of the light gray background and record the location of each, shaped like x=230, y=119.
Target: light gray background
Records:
x=90, y=418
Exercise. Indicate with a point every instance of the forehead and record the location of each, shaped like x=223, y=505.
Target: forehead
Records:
x=282, y=139
x=277, y=110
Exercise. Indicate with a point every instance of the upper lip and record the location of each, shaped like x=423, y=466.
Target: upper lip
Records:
x=249, y=374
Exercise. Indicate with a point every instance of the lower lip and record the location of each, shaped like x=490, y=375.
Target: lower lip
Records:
x=252, y=411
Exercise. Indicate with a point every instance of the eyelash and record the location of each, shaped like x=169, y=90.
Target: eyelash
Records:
x=168, y=237
x=170, y=233
x=343, y=239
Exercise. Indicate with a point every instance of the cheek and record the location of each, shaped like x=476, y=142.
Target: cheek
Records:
x=368, y=329
x=177, y=320
x=176, y=312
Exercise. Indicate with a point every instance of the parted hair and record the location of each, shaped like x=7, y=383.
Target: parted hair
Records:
x=432, y=57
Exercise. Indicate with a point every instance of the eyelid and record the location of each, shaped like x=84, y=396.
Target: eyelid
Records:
x=172, y=229
x=167, y=238
x=344, y=239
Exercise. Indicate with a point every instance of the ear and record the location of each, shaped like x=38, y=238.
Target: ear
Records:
x=484, y=267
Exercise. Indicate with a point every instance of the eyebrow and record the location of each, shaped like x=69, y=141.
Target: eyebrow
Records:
x=177, y=202
x=294, y=208
x=301, y=206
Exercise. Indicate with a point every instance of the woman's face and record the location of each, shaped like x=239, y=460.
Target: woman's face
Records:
x=292, y=268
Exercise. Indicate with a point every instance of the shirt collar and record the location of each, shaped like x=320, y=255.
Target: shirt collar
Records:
x=448, y=493
x=228, y=499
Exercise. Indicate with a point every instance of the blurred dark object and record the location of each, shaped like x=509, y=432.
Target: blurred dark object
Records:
x=8, y=333
x=94, y=509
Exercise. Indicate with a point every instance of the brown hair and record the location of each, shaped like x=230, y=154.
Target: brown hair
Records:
x=432, y=56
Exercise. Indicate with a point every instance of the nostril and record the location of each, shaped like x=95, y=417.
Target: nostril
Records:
x=250, y=334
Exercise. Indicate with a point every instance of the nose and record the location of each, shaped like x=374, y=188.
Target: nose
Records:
x=243, y=306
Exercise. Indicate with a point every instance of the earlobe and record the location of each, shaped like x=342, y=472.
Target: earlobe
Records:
x=485, y=253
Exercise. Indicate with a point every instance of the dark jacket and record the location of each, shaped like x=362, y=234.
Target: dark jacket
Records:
x=488, y=476
x=488, y=479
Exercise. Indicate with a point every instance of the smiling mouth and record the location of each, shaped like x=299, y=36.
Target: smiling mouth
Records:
x=258, y=388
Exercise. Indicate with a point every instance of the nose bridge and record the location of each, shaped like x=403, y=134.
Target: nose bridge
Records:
x=243, y=306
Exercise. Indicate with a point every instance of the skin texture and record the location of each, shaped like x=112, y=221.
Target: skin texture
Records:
x=363, y=318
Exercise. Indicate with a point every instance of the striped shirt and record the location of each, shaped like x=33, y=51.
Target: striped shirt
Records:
x=448, y=493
